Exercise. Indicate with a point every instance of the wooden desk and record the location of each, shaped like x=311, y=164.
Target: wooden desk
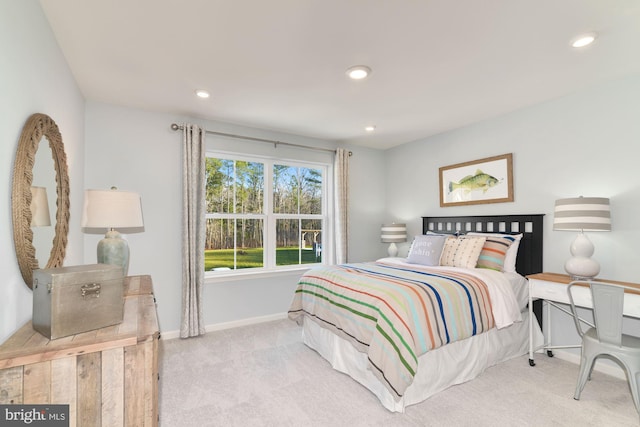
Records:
x=108, y=376
x=552, y=289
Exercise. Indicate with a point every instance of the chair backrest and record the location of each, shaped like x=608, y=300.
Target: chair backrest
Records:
x=608, y=304
x=608, y=301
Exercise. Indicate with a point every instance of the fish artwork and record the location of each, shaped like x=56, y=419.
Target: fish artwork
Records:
x=479, y=181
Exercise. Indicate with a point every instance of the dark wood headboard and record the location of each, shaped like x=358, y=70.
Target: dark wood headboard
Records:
x=529, y=259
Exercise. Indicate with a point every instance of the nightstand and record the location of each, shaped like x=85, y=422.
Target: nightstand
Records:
x=552, y=289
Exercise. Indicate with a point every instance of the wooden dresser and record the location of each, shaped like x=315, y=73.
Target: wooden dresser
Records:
x=109, y=377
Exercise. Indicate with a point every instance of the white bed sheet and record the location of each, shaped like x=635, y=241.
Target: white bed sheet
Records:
x=438, y=369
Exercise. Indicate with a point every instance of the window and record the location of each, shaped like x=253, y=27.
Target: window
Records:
x=263, y=214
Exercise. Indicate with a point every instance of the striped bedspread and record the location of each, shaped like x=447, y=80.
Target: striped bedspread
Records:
x=394, y=313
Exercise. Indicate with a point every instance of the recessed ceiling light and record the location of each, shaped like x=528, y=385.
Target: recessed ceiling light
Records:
x=370, y=128
x=584, y=40
x=358, y=72
x=202, y=94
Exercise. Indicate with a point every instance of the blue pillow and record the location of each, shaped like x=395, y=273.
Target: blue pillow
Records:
x=426, y=249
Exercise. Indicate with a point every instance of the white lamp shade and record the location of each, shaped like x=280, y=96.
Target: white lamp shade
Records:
x=582, y=213
x=40, y=216
x=111, y=209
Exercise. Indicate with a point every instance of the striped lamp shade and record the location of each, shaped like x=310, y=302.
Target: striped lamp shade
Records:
x=582, y=213
x=393, y=233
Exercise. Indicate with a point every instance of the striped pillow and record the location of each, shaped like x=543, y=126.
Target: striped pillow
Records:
x=512, y=253
x=462, y=251
x=494, y=252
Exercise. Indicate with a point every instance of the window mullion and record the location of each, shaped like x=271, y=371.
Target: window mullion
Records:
x=235, y=220
x=270, y=226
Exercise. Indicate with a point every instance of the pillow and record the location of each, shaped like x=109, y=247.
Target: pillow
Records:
x=426, y=249
x=462, y=251
x=494, y=252
x=512, y=252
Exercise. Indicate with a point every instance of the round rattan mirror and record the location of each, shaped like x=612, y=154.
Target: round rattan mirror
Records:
x=38, y=127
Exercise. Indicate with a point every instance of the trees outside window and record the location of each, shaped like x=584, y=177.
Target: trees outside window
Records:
x=263, y=213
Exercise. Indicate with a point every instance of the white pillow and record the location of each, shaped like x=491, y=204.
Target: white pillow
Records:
x=512, y=252
x=426, y=249
x=462, y=251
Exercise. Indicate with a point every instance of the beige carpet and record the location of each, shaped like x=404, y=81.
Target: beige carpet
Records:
x=262, y=375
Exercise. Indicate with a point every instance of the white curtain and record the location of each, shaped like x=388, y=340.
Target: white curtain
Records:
x=341, y=202
x=193, y=234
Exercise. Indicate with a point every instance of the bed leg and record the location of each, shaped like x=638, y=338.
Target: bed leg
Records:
x=532, y=363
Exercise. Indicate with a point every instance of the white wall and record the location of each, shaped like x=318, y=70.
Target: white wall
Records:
x=34, y=78
x=136, y=150
x=368, y=204
x=584, y=144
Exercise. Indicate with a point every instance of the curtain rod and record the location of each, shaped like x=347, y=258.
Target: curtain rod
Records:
x=250, y=138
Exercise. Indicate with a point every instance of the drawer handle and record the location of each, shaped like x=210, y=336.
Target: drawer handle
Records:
x=92, y=289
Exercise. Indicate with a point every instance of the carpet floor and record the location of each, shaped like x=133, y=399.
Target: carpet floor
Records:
x=263, y=375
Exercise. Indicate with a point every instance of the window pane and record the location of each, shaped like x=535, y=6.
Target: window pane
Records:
x=311, y=241
x=234, y=186
x=249, y=187
x=285, y=189
x=219, y=185
x=297, y=190
x=310, y=191
x=229, y=247
x=297, y=245
x=287, y=241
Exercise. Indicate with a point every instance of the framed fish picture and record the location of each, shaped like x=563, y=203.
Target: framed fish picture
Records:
x=487, y=180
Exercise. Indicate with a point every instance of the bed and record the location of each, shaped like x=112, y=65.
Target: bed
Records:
x=361, y=319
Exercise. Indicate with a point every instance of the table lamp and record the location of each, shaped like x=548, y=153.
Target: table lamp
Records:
x=392, y=234
x=582, y=214
x=113, y=209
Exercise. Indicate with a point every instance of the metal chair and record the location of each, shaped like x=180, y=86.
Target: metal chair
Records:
x=605, y=338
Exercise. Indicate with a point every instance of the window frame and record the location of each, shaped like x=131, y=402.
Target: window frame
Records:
x=269, y=267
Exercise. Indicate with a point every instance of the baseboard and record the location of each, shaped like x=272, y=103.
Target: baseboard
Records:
x=229, y=325
x=605, y=366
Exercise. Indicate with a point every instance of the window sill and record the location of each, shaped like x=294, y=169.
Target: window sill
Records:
x=250, y=275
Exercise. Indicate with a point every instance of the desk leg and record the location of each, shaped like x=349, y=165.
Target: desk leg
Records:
x=548, y=334
x=531, y=317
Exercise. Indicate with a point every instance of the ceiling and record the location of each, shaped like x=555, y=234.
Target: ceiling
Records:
x=280, y=64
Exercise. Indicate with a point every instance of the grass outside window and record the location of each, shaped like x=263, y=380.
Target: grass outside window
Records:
x=252, y=258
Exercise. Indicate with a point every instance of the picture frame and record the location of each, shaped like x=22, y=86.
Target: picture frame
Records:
x=488, y=180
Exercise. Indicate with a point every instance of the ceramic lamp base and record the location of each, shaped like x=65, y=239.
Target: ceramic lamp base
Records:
x=113, y=249
x=393, y=250
x=581, y=266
